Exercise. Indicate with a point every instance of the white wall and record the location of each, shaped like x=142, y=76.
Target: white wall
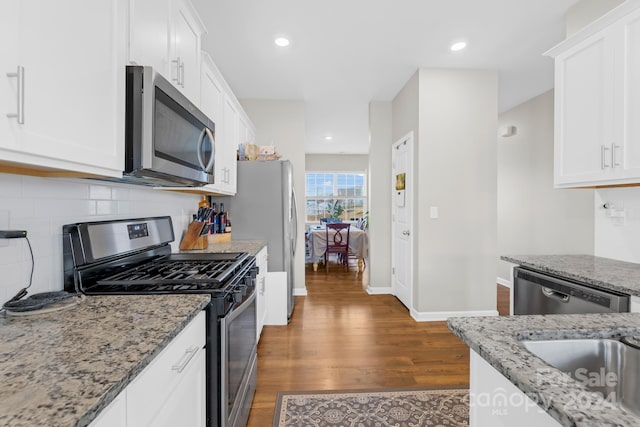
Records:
x=282, y=124
x=533, y=217
x=380, y=195
x=43, y=205
x=617, y=229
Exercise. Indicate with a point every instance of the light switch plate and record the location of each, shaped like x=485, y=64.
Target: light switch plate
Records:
x=433, y=212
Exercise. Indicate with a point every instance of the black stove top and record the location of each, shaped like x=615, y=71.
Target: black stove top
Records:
x=134, y=256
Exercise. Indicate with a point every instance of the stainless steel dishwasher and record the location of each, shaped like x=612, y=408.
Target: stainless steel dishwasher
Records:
x=538, y=293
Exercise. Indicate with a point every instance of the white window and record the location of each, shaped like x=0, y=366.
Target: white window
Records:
x=338, y=195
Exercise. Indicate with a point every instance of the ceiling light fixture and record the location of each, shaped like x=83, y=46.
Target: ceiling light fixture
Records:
x=282, y=41
x=328, y=138
x=458, y=46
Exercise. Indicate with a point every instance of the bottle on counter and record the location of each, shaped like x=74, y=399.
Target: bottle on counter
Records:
x=214, y=219
x=227, y=228
x=204, y=203
x=222, y=219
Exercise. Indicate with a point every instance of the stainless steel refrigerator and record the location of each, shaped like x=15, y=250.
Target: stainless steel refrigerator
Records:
x=264, y=208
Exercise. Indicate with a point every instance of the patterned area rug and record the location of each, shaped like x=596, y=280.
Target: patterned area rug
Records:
x=382, y=408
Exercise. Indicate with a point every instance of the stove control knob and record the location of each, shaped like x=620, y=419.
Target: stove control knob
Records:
x=237, y=295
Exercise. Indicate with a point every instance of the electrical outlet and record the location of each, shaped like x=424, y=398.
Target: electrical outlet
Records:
x=4, y=225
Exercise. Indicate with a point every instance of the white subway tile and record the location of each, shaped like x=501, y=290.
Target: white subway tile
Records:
x=99, y=192
x=10, y=185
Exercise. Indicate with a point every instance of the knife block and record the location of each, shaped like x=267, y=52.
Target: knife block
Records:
x=192, y=238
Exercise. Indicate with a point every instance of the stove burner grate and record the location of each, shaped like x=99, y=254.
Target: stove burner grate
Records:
x=206, y=274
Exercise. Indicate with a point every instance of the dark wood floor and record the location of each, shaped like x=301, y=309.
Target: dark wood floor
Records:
x=342, y=338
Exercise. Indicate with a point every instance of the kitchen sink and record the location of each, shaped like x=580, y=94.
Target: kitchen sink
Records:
x=606, y=366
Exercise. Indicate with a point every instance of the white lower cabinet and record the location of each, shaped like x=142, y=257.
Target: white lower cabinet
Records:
x=114, y=415
x=634, y=304
x=170, y=391
x=262, y=259
x=495, y=401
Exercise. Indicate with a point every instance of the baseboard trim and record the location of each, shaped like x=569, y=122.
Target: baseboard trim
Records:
x=439, y=316
x=504, y=282
x=299, y=292
x=379, y=290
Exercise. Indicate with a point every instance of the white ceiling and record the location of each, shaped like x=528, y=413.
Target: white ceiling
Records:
x=346, y=53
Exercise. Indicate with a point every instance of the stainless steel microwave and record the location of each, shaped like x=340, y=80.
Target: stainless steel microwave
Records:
x=168, y=140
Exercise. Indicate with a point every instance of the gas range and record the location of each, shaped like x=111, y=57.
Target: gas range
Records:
x=133, y=256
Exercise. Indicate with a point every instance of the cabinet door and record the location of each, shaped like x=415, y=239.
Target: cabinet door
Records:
x=170, y=380
x=114, y=415
x=261, y=308
x=186, y=404
x=73, y=55
x=186, y=49
x=498, y=403
x=583, y=112
x=230, y=145
x=149, y=32
x=627, y=151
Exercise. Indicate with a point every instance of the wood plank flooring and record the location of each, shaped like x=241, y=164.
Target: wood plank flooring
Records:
x=342, y=338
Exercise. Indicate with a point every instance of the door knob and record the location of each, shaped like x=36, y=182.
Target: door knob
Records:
x=406, y=233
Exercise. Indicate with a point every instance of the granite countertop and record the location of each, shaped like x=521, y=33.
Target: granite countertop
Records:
x=598, y=272
x=63, y=368
x=250, y=246
x=496, y=339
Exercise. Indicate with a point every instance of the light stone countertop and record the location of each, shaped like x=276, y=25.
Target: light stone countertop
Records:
x=250, y=246
x=598, y=272
x=497, y=340
x=62, y=368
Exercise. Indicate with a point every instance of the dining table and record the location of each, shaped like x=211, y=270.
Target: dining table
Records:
x=317, y=241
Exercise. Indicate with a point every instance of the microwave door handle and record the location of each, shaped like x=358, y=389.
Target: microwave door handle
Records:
x=206, y=132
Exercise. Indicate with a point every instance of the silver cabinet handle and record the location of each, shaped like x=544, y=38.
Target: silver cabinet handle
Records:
x=177, y=78
x=603, y=157
x=181, y=73
x=20, y=75
x=614, y=148
x=406, y=233
x=185, y=359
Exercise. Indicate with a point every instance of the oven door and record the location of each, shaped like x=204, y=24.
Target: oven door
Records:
x=238, y=363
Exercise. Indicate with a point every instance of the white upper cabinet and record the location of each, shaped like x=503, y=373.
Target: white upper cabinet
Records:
x=63, y=85
x=232, y=126
x=165, y=34
x=597, y=102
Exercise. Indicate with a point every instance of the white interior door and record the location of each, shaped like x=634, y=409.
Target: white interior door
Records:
x=402, y=220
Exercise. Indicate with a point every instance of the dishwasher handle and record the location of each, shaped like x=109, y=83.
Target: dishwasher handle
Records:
x=550, y=293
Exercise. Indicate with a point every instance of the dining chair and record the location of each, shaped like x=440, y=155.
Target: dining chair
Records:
x=337, y=243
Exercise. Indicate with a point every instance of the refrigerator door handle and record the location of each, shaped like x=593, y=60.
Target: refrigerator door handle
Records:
x=294, y=221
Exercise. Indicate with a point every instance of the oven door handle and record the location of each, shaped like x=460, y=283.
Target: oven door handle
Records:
x=185, y=359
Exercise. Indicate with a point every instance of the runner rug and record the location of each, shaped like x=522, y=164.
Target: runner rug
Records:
x=373, y=408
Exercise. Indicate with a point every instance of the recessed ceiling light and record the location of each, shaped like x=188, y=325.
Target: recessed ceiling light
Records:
x=328, y=137
x=458, y=46
x=282, y=41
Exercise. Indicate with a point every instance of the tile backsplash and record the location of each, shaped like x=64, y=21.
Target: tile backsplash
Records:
x=41, y=206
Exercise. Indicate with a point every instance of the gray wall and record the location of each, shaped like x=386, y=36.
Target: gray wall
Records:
x=453, y=114
x=533, y=217
x=336, y=162
x=380, y=195
x=457, y=172
x=282, y=124
x=586, y=11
